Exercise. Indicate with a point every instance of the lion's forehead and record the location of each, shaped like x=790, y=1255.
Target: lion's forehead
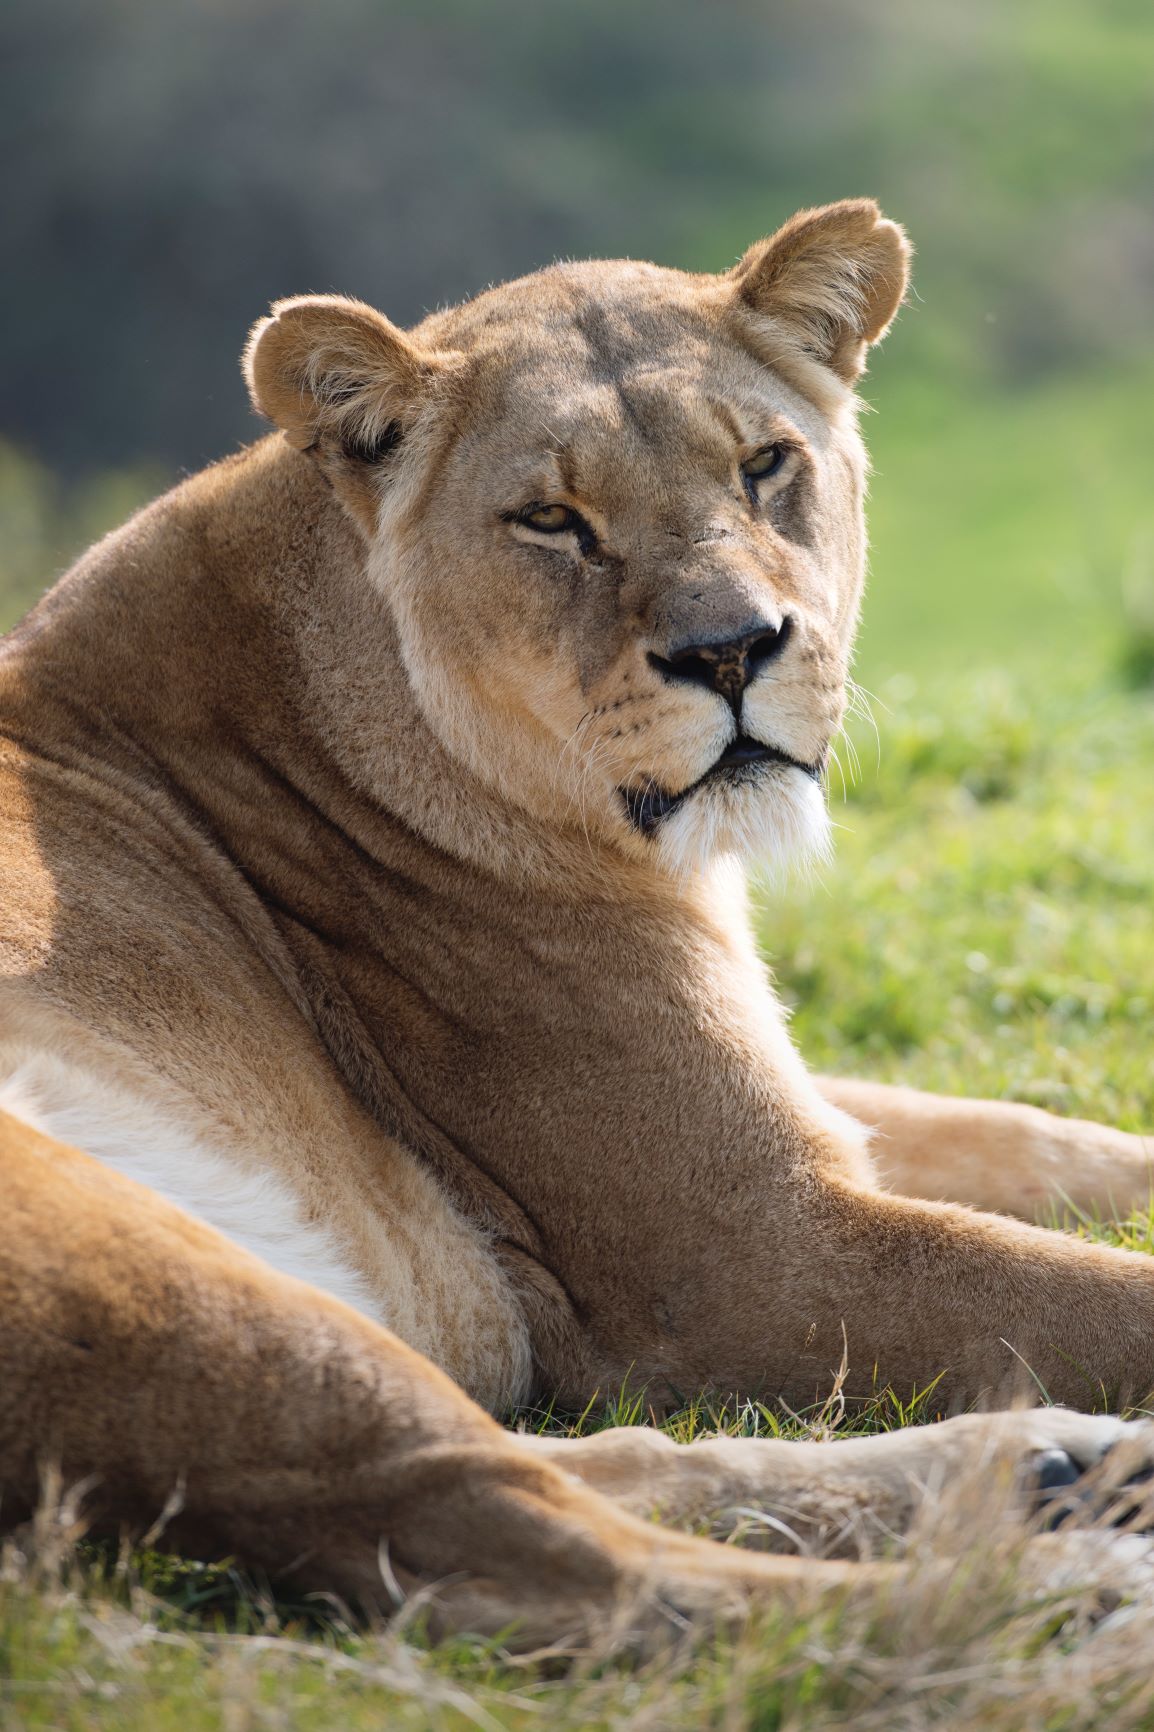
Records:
x=623, y=367
x=608, y=381
x=662, y=402
x=578, y=359
x=610, y=297
x=670, y=412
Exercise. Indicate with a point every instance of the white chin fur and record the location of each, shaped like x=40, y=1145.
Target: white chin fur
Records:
x=779, y=821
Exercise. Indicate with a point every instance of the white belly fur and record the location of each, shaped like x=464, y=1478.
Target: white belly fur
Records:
x=126, y=1132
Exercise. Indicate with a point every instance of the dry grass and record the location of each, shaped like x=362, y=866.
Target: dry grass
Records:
x=987, y=1624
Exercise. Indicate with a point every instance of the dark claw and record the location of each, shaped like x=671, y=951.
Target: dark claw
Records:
x=1053, y=1469
x=1053, y=1472
x=1132, y=1498
x=1056, y=1478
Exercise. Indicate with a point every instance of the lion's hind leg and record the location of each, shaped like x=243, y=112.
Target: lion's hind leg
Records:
x=147, y=1355
x=998, y=1155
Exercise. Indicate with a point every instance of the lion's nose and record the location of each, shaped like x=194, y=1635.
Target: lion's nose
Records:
x=726, y=665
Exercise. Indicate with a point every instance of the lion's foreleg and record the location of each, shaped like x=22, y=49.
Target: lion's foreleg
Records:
x=852, y=1496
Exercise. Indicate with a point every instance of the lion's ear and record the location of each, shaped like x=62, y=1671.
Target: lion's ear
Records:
x=333, y=372
x=834, y=276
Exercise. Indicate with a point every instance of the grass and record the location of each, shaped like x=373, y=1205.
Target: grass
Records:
x=985, y=929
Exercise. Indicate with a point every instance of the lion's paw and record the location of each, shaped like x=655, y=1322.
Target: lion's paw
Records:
x=1087, y=1466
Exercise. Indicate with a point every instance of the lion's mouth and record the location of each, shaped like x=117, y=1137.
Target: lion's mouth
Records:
x=741, y=761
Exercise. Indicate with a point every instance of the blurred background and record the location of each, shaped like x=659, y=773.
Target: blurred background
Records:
x=172, y=167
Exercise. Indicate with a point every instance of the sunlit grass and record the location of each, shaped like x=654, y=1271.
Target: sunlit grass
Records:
x=985, y=927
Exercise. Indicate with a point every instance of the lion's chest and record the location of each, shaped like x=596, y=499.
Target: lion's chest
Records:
x=608, y=1089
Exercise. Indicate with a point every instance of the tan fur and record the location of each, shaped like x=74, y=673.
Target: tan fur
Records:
x=317, y=856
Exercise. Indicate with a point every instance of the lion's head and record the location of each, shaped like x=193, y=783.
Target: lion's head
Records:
x=617, y=513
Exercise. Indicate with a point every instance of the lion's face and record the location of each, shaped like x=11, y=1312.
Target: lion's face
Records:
x=642, y=548
x=617, y=511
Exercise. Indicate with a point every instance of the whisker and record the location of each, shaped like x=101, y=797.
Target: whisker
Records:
x=860, y=705
x=834, y=755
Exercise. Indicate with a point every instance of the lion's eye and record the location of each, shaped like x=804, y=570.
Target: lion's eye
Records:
x=551, y=519
x=555, y=520
x=763, y=463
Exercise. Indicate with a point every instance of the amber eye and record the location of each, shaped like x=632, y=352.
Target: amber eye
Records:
x=763, y=463
x=555, y=520
x=550, y=519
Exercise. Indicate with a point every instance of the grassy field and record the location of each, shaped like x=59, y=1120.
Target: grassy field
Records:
x=986, y=928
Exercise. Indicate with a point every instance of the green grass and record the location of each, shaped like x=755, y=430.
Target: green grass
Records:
x=985, y=929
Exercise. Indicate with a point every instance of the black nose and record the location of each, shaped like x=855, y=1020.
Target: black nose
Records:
x=726, y=665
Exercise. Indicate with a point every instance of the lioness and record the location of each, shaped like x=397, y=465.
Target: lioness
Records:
x=381, y=1032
